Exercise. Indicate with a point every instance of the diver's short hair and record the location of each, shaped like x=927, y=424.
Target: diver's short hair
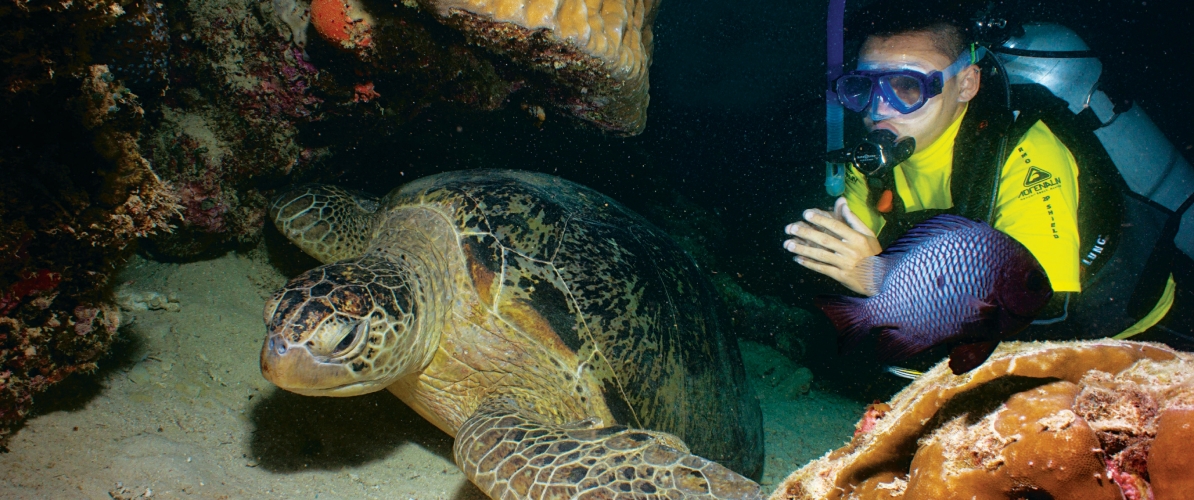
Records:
x=886, y=18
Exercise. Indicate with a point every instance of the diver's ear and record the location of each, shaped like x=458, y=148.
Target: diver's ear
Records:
x=968, y=83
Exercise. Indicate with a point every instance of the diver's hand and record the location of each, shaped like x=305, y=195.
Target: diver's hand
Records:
x=833, y=244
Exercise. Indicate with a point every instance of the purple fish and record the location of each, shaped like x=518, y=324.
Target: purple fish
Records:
x=949, y=280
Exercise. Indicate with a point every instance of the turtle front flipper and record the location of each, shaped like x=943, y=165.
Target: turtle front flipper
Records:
x=513, y=454
x=327, y=222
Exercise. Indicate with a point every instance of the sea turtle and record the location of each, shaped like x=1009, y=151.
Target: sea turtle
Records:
x=570, y=347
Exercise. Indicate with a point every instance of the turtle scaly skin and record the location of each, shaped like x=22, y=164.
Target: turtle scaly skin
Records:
x=509, y=453
x=569, y=346
x=331, y=223
x=361, y=303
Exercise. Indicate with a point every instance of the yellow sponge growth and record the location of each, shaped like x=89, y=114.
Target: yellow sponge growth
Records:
x=617, y=32
x=599, y=48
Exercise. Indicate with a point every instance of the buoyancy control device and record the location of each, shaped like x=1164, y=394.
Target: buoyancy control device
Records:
x=1055, y=57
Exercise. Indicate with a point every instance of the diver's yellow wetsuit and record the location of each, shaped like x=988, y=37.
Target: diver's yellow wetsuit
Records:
x=1037, y=203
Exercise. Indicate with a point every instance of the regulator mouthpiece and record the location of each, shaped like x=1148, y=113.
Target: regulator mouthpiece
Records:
x=876, y=154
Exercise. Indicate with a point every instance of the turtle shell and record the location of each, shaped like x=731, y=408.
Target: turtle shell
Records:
x=607, y=281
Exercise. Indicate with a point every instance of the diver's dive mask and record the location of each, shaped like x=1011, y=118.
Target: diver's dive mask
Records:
x=905, y=90
x=876, y=154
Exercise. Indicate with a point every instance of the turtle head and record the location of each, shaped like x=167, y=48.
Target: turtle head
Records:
x=343, y=329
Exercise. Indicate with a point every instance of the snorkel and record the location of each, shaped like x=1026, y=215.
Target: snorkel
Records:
x=880, y=149
x=835, y=173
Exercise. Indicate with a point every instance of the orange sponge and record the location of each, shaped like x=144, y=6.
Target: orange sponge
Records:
x=343, y=22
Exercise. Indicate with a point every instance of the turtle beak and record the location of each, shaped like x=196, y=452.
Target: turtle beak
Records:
x=295, y=369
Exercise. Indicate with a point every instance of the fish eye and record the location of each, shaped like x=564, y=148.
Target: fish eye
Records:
x=357, y=331
x=1036, y=281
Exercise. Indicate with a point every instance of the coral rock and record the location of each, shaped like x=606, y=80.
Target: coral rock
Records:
x=1037, y=420
x=600, y=51
x=587, y=59
x=1034, y=442
x=77, y=190
x=41, y=281
x=363, y=92
x=1170, y=463
x=616, y=33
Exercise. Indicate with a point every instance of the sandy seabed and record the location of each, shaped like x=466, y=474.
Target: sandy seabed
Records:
x=180, y=410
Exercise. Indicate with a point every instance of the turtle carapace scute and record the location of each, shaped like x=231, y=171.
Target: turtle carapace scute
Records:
x=568, y=345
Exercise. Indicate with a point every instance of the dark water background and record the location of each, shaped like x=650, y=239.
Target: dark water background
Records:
x=736, y=123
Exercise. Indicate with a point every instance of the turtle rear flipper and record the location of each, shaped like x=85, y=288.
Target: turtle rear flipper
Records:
x=327, y=222
x=511, y=453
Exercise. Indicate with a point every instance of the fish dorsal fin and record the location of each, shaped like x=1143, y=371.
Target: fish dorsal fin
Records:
x=871, y=272
x=931, y=228
x=966, y=357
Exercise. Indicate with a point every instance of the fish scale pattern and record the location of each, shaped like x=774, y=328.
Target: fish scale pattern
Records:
x=939, y=278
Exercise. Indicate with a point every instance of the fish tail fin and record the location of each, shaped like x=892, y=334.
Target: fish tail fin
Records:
x=848, y=318
x=870, y=272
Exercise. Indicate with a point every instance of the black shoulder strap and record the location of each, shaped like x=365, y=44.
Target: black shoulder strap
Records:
x=1100, y=185
x=986, y=136
x=987, y=132
x=977, y=160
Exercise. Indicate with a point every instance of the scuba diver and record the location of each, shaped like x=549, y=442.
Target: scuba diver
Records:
x=962, y=120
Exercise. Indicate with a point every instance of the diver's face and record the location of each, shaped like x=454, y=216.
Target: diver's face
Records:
x=915, y=51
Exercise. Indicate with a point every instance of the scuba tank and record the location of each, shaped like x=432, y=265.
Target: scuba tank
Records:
x=1055, y=57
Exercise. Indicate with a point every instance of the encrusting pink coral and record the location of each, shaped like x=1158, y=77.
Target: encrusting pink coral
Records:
x=874, y=412
x=41, y=281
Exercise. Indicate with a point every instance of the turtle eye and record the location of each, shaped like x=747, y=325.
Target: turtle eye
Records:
x=357, y=331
